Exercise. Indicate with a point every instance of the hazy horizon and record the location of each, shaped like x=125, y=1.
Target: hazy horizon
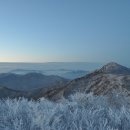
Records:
x=66, y=62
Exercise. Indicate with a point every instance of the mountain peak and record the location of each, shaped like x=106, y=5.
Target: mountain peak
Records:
x=112, y=76
x=114, y=68
x=111, y=65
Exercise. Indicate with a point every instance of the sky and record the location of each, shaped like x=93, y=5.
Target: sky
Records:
x=65, y=31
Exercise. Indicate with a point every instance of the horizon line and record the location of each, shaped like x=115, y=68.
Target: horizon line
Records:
x=49, y=62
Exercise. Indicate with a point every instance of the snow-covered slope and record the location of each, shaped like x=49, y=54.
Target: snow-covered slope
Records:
x=101, y=82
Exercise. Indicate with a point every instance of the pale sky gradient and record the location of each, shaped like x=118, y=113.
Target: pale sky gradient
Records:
x=65, y=30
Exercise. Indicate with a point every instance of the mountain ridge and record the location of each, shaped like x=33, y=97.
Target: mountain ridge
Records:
x=100, y=82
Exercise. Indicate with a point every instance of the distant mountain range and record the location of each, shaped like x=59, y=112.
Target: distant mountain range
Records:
x=100, y=82
x=65, y=73
x=30, y=81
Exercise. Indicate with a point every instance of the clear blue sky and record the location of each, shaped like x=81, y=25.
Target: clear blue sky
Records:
x=65, y=30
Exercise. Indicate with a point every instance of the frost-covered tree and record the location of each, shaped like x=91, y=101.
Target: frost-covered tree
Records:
x=79, y=112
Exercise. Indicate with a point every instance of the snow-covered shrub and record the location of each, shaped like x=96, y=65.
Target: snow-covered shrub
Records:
x=79, y=112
